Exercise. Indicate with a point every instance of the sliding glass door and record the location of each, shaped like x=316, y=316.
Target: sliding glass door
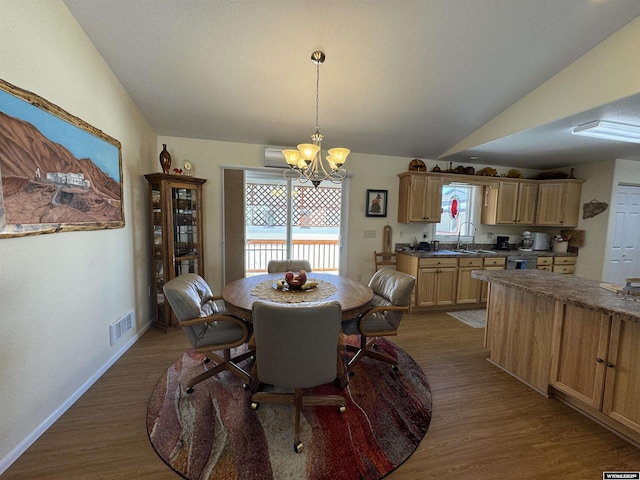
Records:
x=288, y=219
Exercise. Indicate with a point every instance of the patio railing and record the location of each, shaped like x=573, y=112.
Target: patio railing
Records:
x=323, y=255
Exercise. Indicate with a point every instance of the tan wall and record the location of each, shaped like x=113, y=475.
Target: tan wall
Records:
x=59, y=292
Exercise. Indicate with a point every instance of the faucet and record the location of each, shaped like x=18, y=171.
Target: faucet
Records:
x=472, y=235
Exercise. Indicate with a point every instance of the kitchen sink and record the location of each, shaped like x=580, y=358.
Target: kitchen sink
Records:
x=446, y=252
x=464, y=250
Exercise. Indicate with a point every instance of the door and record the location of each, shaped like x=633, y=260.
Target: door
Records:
x=288, y=219
x=623, y=255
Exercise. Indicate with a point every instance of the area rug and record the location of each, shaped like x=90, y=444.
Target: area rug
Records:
x=473, y=318
x=213, y=433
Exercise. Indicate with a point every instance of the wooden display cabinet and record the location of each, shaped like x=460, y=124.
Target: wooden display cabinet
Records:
x=177, y=236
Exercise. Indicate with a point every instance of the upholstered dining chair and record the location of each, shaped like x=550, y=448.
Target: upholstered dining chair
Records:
x=297, y=348
x=208, y=328
x=391, y=297
x=275, y=266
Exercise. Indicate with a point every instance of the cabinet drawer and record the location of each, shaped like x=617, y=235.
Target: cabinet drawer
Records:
x=494, y=262
x=544, y=261
x=470, y=262
x=437, y=262
x=546, y=268
x=564, y=261
x=564, y=268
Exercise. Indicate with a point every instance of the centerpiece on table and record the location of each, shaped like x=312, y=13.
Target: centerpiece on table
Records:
x=295, y=282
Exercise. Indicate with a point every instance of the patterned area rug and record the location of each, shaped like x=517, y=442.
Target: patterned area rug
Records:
x=213, y=433
x=473, y=318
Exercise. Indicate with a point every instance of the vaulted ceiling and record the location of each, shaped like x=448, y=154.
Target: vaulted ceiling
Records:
x=407, y=78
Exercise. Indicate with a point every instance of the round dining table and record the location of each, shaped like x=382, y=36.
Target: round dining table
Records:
x=354, y=297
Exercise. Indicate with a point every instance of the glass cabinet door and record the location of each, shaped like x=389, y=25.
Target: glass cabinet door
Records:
x=176, y=231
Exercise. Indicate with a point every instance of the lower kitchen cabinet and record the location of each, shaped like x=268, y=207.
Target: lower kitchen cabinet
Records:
x=469, y=288
x=490, y=263
x=596, y=361
x=436, y=282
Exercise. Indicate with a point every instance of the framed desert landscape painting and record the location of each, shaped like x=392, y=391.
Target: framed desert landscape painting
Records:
x=57, y=172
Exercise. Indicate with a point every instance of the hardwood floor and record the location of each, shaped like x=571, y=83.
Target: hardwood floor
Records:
x=485, y=425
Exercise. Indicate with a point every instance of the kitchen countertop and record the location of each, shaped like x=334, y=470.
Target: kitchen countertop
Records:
x=485, y=253
x=581, y=292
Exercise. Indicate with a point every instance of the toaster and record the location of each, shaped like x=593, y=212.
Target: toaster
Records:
x=541, y=241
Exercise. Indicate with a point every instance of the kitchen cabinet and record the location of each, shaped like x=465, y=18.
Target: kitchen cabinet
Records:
x=469, y=289
x=545, y=263
x=518, y=334
x=420, y=197
x=565, y=265
x=436, y=282
x=596, y=361
x=558, y=203
x=490, y=263
x=510, y=202
x=442, y=281
x=177, y=236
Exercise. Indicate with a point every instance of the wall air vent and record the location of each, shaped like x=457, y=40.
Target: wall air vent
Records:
x=121, y=326
x=274, y=158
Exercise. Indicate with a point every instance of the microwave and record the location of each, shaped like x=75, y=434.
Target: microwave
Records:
x=541, y=241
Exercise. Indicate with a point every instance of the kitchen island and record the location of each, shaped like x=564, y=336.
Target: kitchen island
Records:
x=568, y=338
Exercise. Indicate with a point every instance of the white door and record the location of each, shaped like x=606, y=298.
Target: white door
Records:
x=623, y=256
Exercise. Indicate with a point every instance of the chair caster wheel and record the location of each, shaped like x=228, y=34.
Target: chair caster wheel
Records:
x=342, y=409
x=254, y=405
x=207, y=360
x=394, y=368
x=190, y=390
x=352, y=373
x=298, y=447
x=245, y=386
x=375, y=345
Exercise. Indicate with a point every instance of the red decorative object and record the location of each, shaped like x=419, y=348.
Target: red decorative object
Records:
x=454, y=205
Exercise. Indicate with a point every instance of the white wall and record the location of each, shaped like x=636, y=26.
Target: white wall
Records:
x=59, y=292
x=598, y=184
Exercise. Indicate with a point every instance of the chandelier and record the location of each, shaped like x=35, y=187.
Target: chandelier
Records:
x=306, y=163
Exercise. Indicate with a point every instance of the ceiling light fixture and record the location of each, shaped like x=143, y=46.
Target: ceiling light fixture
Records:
x=306, y=164
x=609, y=130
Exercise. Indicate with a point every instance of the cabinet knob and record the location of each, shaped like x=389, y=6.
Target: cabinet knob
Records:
x=610, y=365
x=599, y=360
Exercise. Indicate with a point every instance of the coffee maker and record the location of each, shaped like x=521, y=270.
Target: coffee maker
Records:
x=502, y=243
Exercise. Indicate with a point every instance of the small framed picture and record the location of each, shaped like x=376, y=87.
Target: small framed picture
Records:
x=376, y=203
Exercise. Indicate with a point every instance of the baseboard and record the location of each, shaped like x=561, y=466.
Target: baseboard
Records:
x=22, y=447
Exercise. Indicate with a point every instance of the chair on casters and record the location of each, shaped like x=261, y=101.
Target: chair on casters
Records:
x=207, y=328
x=384, y=259
x=297, y=348
x=275, y=266
x=391, y=298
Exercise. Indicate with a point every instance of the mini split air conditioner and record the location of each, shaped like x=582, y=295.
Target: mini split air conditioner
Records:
x=274, y=158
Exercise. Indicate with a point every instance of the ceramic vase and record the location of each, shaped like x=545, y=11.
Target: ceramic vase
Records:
x=165, y=159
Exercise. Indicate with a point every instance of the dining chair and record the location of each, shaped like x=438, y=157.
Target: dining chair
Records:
x=391, y=297
x=208, y=328
x=297, y=348
x=275, y=266
x=384, y=260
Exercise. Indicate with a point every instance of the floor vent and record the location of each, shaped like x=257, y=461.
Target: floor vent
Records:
x=121, y=326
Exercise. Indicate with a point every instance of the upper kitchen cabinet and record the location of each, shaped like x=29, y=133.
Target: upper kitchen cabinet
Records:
x=558, y=203
x=509, y=202
x=420, y=197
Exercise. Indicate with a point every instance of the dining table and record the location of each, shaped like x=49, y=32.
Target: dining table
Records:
x=354, y=297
